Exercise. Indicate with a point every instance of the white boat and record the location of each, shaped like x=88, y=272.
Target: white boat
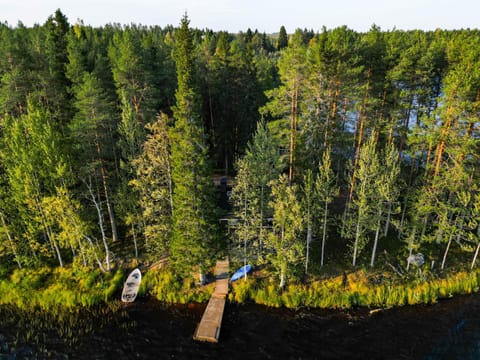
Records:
x=130, y=288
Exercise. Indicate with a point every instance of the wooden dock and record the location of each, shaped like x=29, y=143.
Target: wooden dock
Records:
x=209, y=327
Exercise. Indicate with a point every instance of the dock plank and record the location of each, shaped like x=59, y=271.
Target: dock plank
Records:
x=209, y=327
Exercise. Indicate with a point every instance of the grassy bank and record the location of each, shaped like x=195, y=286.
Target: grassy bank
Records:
x=356, y=289
x=166, y=287
x=68, y=288
x=48, y=288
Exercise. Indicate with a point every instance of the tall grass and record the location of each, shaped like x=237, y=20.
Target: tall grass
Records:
x=48, y=288
x=168, y=288
x=356, y=289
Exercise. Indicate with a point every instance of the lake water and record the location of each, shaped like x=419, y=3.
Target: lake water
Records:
x=449, y=329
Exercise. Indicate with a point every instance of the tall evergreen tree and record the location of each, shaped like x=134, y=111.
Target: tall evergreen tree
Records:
x=56, y=95
x=194, y=223
x=282, y=41
x=284, y=104
x=90, y=128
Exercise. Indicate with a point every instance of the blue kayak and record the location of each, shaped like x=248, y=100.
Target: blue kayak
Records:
x=241, y=272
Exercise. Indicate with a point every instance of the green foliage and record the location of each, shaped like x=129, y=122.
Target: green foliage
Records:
x=325, y=192
x=286, y=249
x=282, y=40
x=361, y=219
x=75, y=102
x=167, y=287
x=251, y=191
x=356, y=290
x=49, y=288
x=194, y=233
x=153, y=181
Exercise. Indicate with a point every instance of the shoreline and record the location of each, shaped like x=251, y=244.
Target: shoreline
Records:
x=48, y=288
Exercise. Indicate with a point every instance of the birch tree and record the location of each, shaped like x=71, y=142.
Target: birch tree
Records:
x=153, y=181
x=362, y=213
x=387, y=192
x=287, y=249
x=325, y=190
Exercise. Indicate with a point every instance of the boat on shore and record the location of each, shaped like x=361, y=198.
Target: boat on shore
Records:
x=131, y=286
x=241, y=272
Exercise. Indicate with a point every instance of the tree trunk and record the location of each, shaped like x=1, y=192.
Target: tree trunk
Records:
x=282, y=278
x=476, y=251
x=441, y=146
x=100, y=265
x=409, y=254
x=376, y=239
x=344, y=216
x=283, y=264
x=309, y=240
x=245, y=237
x=111, y=214
x=57, y=250
x=355, y=245
x=324, y=235
x=48, y=231
x=402, y=220
x=82, y=252
x=134, y=240
x=100, y=224
x=10, y=240
x=360, y=134
x=424, y=226
x=429, y=155
x=293, y=128
x=446, y=250
x=387, y=223
x=170, y=185
x=260, y=238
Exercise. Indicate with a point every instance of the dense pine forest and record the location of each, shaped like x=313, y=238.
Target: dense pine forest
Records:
x=342, y=149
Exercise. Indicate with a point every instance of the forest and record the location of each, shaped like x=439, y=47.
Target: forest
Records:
x=342, y=149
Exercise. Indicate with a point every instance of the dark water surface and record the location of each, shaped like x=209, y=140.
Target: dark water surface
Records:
x=149, y=330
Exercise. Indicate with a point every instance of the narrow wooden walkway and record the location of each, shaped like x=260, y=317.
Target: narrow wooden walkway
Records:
x=209, y=327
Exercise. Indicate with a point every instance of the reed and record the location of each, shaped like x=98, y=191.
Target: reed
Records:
x=165, y=286
x=48, y=288
x=356, y=289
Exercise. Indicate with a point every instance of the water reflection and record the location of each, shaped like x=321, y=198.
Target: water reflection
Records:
x=462, y=342
x=149, y=330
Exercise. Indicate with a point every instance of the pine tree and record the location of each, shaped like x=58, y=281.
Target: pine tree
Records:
x=282, y=41
x=93, y=146
x=56, y=93
x=194, y=223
